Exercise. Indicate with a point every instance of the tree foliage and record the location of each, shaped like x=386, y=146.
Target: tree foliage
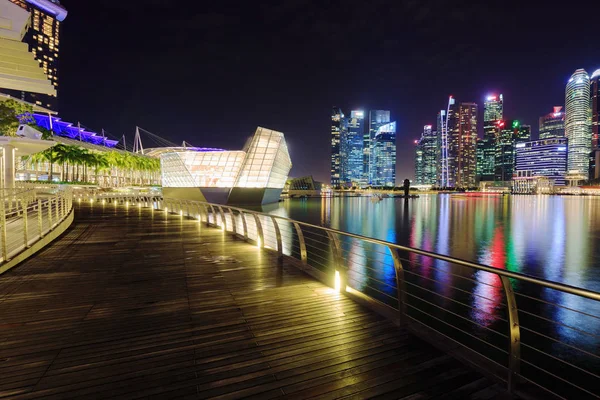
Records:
x=11, y=112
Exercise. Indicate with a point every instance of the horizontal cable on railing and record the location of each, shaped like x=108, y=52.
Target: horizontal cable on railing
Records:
x=457, y=328
x=457, y=315
x=454, y=287
x=560, y=324
x=371, y=279
x=351, y=278
x=557, y=305
x=560, y=359
x=558, y=377
x=559, y=342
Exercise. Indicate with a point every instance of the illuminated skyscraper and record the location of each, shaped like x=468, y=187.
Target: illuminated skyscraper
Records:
x=486, y=154
x=352, y=154
x=511, y=134
x=426, y=157
x=493, y=112
x=337, y=126
x=467, y=151
x=43, y=38
x=377, y=118
x=578, y=125
x=384, y=154
x=449, y=139
x=542, y=158
x=595, y=103
x=493, y=108
x=553, y=125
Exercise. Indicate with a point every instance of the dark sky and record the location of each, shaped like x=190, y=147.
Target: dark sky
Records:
x=211, y=72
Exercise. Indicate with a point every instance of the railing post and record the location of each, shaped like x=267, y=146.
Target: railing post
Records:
x=338, y=262
x=400, y=285
x=40, y=222
x=214, y=215
x=3, y=228
x=301, y=243
x=259, y=231
x=234, y=227
x=25, y=233
x=49, y=213
x=57, y=210
x=514, y=330
x=278, y=236
x=244, y=225
x=223, y=218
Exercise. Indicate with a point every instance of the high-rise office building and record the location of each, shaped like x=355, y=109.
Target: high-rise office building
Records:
x=493, y=112
x=352, y=159
x=486, y=154
x=511, y=133
x=426, y=157
x=542, y=158
x=553, y=125
x=578, y=126
x=384, y=154
x=493, y=108
x=449, y=143
x=377, y=118
x=595, y=104
x=43, y=38
x=337, y=126
x=467, y=151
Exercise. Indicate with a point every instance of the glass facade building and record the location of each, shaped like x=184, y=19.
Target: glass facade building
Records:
x=337, y=129
x=493, y=112
x=553, y=125
x=595, y=104
x=426, y=157
x=467, y=151
x=352, y=154
x=578, y=125
x=384, y=153
x=542, y=158
x=377, y=118
x=43, y=39
x=486, y=154
x=262, y=168
x=511, y=133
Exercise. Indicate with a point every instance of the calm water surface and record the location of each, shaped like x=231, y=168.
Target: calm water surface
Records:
x=551, y=237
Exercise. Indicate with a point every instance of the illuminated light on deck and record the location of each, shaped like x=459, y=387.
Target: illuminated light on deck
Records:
x=337, y=282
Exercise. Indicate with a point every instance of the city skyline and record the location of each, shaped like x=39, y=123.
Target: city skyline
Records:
x=136, y=66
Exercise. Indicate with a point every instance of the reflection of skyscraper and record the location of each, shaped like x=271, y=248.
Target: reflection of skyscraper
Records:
x=352, y=169
x=337, y=126
x=426, y=157
x=466, y=168
x=377, y=118
x=578, y=125
x=43, y=38
x=384, y=153
x=553, y=125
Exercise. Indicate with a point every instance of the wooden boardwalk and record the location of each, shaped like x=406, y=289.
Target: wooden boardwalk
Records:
x=129, y=304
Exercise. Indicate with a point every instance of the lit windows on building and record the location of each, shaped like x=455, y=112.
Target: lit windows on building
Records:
x=337, y=130
x=578, y=125
x=384, y=153
x=553, y=125
x=426, y=157
x=352, y=158
x=541, y=158
x=509, y=134
x=595, y=104
x=467, y=151
x=377, y=118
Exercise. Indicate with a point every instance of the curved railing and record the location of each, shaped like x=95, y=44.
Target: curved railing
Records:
x=28, y=215
x=519, y=328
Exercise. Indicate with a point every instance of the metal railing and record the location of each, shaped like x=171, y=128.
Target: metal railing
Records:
x=28, y=214
x=519, y=328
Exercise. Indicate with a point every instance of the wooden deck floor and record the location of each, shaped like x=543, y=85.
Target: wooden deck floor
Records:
x=129, y=305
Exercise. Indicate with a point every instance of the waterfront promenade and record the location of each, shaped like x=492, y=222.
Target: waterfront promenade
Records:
x=130, y=303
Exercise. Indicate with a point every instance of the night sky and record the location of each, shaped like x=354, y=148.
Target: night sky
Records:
x=211, y=72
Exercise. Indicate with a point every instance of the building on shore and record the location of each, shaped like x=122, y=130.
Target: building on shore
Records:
x=255, y=175
x=578, y=126
x=595, y=104
x=545, y=158
x=511, y=133
x=552, y=125
x=377, y=118
x=493, y=113
x=467, y=150
x=384, y=154
x=352, y=167
x=42, y=37
x=426, y=157
x=337, y=132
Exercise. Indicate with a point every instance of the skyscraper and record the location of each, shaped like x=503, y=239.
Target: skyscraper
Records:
x=43, y=38
x=337, y=126
x=493, y=112
x=542, y=158
x=553, y=125
x=377, y=118
x=448, y=121
x=511, y=134
x=467, y=151
x=384, y=153
x=352, y=159
x=595, y=103
x=578, y=126
x=426, y=157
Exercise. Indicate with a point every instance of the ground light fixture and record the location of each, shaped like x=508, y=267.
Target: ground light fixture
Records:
x=337, y=281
